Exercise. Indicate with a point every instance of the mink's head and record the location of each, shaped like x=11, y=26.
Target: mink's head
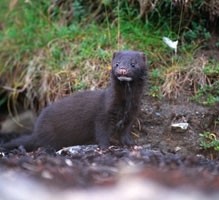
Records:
x=129, y=66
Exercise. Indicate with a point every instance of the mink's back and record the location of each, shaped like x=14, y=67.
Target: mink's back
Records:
x=69, y=121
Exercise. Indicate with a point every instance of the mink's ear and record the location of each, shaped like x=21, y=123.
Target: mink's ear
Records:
x=143, y=57
x=116, y=54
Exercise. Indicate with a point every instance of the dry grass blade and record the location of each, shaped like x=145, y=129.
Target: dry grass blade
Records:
x=12, y=4
x=190, y=77
x=195, y=76
x=172, y=86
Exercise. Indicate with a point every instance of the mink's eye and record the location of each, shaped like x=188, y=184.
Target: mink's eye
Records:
x=132, y=64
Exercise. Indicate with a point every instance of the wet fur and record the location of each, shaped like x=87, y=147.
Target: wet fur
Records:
x=92, y=115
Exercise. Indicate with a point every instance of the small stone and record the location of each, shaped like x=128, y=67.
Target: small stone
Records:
x=177, y=149
x=68, y=162
x=181, y=127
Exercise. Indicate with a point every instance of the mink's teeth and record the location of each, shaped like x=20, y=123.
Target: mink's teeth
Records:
x=124, y=78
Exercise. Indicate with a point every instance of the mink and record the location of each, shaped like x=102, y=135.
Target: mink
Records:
x=93, y=115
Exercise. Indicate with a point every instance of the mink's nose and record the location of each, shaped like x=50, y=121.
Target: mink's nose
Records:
x=122, y=71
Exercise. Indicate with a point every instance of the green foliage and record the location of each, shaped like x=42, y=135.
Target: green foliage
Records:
x=209, y=141
x=51, y=48
x=154, y=91
x=212, y=69
x=208, y=94
x=155, y=78
x=197, y=32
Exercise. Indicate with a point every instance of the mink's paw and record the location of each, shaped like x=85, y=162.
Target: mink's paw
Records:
x=127, y=141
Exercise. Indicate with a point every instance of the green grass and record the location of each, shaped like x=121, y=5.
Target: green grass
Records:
x=42, y=60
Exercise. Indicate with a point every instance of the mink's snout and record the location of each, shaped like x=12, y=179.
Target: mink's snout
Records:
x=123, y=74
x=122, y=71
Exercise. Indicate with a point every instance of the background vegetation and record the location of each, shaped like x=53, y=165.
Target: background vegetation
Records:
x=50, y=48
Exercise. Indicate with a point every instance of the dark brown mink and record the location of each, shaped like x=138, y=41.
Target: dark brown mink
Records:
x=93, y=115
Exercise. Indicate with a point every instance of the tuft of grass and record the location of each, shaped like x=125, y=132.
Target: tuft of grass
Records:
x=197, y=76
x=208, y=92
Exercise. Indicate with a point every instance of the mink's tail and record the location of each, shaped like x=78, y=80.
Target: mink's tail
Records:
x=26, y=141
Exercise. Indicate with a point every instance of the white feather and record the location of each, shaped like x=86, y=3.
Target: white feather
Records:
x=170, y=43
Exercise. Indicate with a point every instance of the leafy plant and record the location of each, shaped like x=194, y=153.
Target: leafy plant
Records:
x=197, y=31
x=209, y=140
x=154, y=91
x=212, y=69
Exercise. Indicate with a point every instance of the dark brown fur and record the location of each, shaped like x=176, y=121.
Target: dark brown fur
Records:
x=90, y=115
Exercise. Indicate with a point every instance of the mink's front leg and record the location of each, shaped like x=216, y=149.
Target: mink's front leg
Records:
x=126, y=137
x=102, y=135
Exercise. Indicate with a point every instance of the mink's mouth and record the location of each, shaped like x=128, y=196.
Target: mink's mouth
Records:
x=124, y=78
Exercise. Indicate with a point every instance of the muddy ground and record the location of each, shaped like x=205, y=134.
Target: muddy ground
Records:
x=165, y=159
x=157, y=117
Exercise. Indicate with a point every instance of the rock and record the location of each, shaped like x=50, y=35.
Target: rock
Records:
x=180, y=127
x=21, y=123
